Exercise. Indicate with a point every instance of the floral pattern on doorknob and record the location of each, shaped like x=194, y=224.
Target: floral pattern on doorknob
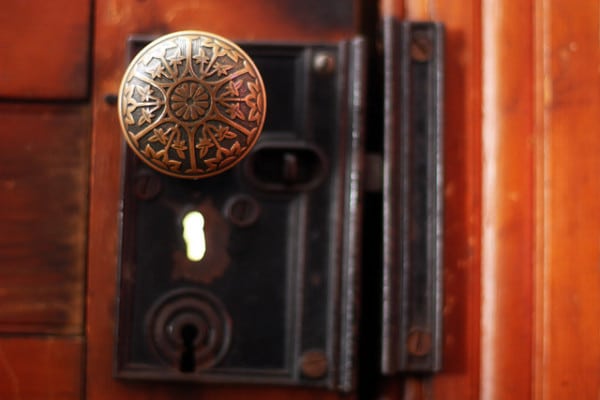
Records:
x=192, y=104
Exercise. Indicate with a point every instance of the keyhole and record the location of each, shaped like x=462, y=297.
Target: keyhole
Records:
x=193, y=235
x=187, y=363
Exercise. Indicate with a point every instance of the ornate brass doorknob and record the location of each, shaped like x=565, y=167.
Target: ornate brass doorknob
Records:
x=191, y=104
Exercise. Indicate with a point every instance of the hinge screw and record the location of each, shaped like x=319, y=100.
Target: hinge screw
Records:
x=421, y=48
x=418, y=342
x=242, y=210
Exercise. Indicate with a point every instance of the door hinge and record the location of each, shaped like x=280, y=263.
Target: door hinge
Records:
x=413, y=185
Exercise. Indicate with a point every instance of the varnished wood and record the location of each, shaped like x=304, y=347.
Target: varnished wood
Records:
x=43, y=176
x=419, y=9
x=567, y=343
x=41, y=368
x=462, y=155
x=508, y=201
x=391, y=8
x=115, y=21
x=540, y=282
x=45, y=49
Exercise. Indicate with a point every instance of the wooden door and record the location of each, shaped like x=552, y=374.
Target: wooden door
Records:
x=522, y=223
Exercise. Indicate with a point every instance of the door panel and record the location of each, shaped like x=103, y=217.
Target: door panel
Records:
x=43, y=172
x=56, y=373
x=45, y=49
x=43, y=220
x=567, y=296
x=508, y=202
x=540, y=331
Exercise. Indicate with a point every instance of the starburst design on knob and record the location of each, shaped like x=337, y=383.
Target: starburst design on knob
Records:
x=189, y=101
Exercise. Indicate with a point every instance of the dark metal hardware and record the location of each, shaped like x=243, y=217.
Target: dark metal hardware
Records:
x=286, y=167
x=242, y=210
x=273, y=298
x=373, y=172
x=324, y=62
x=413, y=197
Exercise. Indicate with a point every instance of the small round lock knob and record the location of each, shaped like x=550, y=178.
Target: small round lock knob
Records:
x=191, y=104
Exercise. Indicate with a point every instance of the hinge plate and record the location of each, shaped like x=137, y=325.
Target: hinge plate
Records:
x=413, y=197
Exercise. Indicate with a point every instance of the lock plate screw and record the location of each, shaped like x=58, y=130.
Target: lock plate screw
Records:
x=324, y=63
x=314, y=364
x=242, y=210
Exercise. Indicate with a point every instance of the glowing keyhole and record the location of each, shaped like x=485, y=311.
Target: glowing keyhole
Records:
x=193, y=235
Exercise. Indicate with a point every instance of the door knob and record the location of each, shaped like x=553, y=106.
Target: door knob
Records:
x=191, y=104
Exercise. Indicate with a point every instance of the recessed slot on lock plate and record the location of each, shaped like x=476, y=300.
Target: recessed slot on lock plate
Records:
x=286, y=167
x=225, y=279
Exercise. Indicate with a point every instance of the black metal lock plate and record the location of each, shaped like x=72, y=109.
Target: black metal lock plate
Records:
x=272, y=299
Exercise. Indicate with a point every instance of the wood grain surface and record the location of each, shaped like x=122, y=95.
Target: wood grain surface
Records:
x=44, y=179
x=41, y=368
x=567, y=343
x=508, y=209
x=45, y=49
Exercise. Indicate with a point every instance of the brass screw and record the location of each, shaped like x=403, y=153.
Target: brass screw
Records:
x=314, y=364
x=418, y=342
x=421, y=48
